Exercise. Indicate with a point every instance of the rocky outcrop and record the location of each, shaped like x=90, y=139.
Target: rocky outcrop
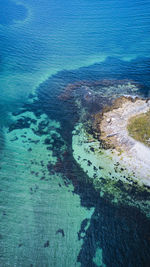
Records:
x=112, y=124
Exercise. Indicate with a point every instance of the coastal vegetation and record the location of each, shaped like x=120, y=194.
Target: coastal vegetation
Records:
x=139, y=128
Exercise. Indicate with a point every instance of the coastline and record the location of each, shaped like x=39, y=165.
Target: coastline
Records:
x=117, y=165
x=113, y=128
x=111, y=178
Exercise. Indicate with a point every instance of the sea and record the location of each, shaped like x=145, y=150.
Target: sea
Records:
x=50, y=214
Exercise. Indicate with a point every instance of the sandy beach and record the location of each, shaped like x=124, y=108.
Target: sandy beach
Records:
x=113, y=128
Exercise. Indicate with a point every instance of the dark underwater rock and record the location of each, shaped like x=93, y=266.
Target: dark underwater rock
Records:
x=61, y=231
x=46, y=244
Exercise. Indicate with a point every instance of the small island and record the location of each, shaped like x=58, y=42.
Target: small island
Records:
x=125, y=127
x=111, y=139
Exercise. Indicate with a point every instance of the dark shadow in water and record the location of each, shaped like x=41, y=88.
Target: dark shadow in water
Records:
x=2, y=140
x=137, y=70
x=10, y=12
x=122, y=232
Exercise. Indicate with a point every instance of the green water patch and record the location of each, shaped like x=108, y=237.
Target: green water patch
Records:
x=40, y=214
x=139, y=128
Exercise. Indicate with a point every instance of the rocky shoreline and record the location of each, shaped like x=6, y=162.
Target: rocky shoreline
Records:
x=112, y=125
x=107, y=165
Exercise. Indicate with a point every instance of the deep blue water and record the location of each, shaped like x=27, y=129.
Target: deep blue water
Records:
x=40, y=38
x=44, y=45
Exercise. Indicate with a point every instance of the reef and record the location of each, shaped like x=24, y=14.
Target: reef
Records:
x=98, y=87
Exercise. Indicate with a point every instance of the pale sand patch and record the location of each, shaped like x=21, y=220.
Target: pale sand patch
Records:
x=133, y=154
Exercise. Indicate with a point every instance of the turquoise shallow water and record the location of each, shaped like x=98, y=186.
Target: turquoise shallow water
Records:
x=50, y=214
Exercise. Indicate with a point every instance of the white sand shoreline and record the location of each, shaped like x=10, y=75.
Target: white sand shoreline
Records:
x=134, y=155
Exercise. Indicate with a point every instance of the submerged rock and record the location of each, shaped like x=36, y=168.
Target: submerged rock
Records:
x=46, y=244
x=60, y=231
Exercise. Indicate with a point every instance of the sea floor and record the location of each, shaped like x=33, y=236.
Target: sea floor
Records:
x=51, y=211
x=40, y=214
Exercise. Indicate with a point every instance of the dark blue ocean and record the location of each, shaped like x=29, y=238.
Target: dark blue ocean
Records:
x=50, y=214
